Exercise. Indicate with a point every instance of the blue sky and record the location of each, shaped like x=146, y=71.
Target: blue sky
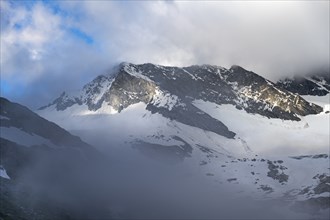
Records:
x=55, y=8
x=52, y=46
x=80, y=35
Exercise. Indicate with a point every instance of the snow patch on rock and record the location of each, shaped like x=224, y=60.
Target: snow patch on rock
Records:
x=23, y=138
x=3, y=173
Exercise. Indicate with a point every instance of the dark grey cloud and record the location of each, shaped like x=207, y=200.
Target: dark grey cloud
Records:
x=50, y=47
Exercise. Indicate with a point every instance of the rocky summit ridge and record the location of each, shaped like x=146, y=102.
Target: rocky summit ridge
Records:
x=171, y=91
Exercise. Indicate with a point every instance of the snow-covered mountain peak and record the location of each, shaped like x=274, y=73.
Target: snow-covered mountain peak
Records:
x=130, y=83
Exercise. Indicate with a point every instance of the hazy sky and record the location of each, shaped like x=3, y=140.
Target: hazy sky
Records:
x=48, y=46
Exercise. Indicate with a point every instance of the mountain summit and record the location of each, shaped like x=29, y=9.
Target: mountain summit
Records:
x=170, y=91
x=200, y=106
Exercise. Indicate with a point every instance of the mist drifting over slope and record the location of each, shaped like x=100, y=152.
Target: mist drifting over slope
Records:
x=164, y=110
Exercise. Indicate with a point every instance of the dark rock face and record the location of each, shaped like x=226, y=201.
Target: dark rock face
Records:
x=323, y=184
x=318, y=201
x=316, y=84
x=190, y=115
x=231, y=179
x=90, y=90
x=311, y=156
x=189, y=83
x=236, y=86
x=22, y=118
x=265, y=98
x=127, y=90
x=276, y=172
x=266, y=188
x=157, y=151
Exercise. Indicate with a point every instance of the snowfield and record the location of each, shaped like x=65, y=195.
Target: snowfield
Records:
x=255, y=134
x=274, y=136
x=136, y=123
x=3, y=173
x=262, y=162
x=23, y=138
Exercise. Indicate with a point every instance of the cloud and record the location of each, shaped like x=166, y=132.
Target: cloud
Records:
x=43, y=54
x=47, y=47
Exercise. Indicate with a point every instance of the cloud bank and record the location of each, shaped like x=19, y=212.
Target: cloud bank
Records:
x=48, y=47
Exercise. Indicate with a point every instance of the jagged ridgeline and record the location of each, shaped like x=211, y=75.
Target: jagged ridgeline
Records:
x=313, y=84
x=171, y=90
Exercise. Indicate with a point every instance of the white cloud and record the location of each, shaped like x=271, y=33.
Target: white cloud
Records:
x=271, y=38
x=25, y=39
